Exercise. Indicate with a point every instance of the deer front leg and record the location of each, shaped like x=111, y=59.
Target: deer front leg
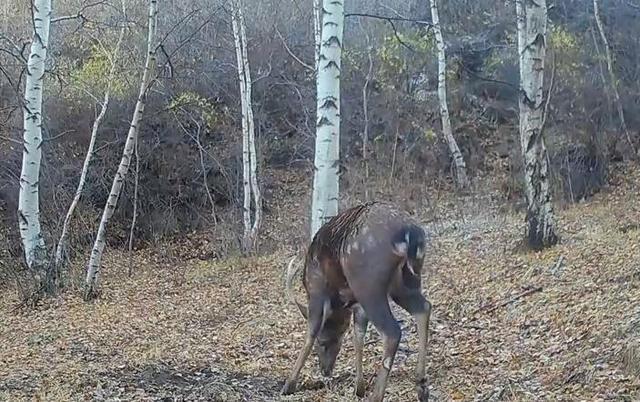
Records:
x=360, y=323
x=313, y=327
x=420, y=308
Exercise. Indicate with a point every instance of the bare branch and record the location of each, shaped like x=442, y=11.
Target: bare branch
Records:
x=189, y=37
x=3, y=138
x=296, y=58
x=67, y=18
x=389, y=19
x=79, y=14
x=182, y=20
x=549, y=93
x=632, y=5
x=59, y=135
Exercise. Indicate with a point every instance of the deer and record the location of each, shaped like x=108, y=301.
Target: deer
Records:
x=355, y=263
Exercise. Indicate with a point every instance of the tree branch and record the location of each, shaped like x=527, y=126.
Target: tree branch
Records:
x=3, y=138
x=528, y=291
x=505, y=83
x=68, y=17
x=632, y=5
x=59, y=135
x=549, y=93
x=296, y=58
x=79, y=14
x=389, y=19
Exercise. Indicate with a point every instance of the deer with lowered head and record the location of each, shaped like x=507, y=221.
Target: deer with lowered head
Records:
x=354, y=264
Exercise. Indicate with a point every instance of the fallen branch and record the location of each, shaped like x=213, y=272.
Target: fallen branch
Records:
x=520, y=295
x=556, y=267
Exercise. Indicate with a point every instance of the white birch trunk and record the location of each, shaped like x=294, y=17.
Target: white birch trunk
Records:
x=59, y=257
x=246, y=163
x=532, y=30
x=612, y=75
x=317, y=30
x=249, y=153
x=456, y=155
x=324, y=203
x=253, y=154
x=93, y=268
x=28, y=202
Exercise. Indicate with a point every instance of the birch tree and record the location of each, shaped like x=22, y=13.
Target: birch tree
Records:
x=612, y=75
x=324, y=203
x=29, y=196
x=93, y=268
x=532, y=29
x=456, y=155
x=249, y=154
x=317, y=30
x=59, y=256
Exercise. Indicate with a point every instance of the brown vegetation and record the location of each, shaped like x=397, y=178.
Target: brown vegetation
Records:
x=196, y=329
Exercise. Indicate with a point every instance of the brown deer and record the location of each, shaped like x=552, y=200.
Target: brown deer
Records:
x=355, y=262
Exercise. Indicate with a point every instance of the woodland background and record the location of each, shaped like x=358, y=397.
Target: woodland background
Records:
x=188, y=243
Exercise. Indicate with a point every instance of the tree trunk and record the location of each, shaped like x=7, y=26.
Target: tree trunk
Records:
x=456, y=155
x=28, y=202
x=249, y=153
x=59, y=257
x=365, y=114
x=132, y=228
x=612, y=76
x=317, y=30
x=324, y=204
x=532, y=30
x=116, y=187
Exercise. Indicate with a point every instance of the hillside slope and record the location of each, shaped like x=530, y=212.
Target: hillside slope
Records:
x=563, y=324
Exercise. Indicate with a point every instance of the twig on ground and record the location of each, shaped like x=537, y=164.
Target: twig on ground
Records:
x=515, y=298
x=555, y=270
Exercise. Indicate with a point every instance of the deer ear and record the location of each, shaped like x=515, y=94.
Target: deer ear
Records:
x=400, y=249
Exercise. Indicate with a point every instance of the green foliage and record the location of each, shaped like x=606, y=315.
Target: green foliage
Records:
x=355, y=58
x=562, y=40
x=396, y=60
x=191, y=100
x=430, y=135
x=566, y=50
x=493, y=62
x=93, y=76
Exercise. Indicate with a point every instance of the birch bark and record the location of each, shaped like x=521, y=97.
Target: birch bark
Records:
x=532, y=29
x=249, y=153
x=29, y=197
x=324, y=204
x=59, y=257
x=317, y=30
x=456, y=155
x=93, y=268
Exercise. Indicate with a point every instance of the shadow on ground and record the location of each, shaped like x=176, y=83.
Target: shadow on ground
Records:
x=161, y=382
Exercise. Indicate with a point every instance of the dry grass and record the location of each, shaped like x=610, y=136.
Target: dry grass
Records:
x=203, y=330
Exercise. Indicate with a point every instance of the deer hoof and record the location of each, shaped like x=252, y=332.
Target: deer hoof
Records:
x=361, y=389
x=288, y=389
x=423, y=391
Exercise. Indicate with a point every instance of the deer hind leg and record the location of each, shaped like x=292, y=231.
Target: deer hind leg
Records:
x=314, y=324
x=360, y=323
x=420, y=308
x=377, y=310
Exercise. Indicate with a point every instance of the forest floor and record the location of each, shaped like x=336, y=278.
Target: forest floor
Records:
x=507, y=324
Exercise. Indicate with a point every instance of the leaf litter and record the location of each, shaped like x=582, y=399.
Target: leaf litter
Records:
x=507, y=324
